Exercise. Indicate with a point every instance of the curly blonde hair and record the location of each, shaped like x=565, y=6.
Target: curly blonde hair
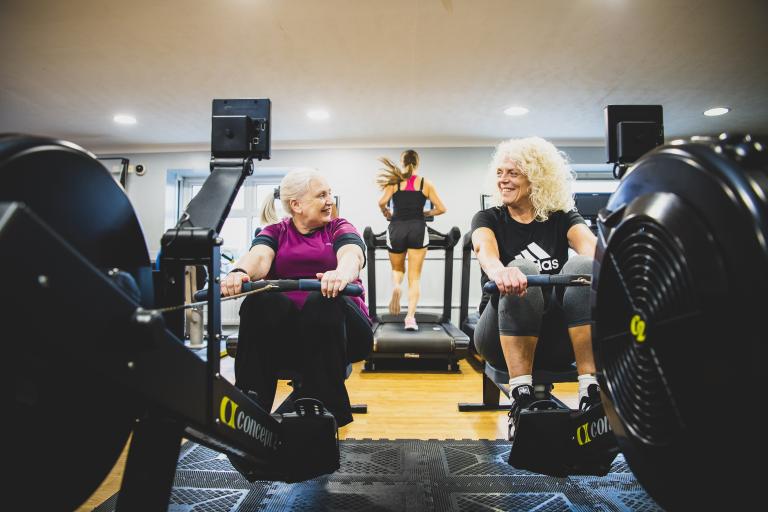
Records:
x=545, y=167
x=391, y=174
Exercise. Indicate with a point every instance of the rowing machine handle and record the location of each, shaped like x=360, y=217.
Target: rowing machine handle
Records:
x=546, y=280
x=287, y=285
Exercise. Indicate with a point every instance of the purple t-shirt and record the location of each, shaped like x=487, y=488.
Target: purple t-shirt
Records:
x=300, y=256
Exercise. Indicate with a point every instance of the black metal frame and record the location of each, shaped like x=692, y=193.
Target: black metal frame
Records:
x=195, y=241
x=466, y=262
x=176, y=393
x=437, y=241
x=185, y=396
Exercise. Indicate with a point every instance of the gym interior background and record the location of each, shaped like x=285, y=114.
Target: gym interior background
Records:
x=432, y=75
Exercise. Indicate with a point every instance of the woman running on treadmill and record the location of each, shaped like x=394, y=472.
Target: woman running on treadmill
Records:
x=407, y=233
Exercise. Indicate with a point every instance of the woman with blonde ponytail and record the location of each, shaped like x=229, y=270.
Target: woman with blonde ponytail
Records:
x=407, y=233
x=315, y=333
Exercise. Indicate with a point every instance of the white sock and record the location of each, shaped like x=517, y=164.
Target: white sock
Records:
x=519, y=381
x=584, y=381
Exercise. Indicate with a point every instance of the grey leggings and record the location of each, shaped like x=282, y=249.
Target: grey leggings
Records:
x=545, y=313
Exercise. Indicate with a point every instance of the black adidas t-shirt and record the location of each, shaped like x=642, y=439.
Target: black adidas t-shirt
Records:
x=544, y=243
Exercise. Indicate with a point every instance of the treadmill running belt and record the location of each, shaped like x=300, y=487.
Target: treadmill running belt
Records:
x=430, y=338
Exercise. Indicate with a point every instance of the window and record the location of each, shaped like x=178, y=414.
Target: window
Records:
x=244, y=217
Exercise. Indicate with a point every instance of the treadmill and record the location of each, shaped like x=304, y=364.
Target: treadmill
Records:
x=437, y=339
x=589, y=205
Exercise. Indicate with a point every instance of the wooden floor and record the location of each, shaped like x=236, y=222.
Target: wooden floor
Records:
x=402, y=405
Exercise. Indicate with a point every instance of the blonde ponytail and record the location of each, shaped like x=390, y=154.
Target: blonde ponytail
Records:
x=391, y=174
x=269, y=213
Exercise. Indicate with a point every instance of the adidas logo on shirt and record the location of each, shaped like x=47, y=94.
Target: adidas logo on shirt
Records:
x=539, y=256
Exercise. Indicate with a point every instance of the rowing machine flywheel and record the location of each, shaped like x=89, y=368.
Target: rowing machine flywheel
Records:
x=678, y=306
x=67, y=427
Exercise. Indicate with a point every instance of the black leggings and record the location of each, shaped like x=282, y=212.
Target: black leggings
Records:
x=545, y=313
x=317, y=342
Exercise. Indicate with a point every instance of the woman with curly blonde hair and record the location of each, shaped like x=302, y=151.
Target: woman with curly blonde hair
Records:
x=407, y=232
x=531, y=232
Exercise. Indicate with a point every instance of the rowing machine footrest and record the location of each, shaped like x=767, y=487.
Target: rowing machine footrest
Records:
x=309, y=447
x=311, y=441
x=540, y=441
x=561, y=442
x=593, y=446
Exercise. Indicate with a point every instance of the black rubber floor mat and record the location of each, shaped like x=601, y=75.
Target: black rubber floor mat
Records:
x=403, y=475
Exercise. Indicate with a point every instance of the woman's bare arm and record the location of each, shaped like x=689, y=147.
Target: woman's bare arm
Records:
x=438, y=208
x=256, y=264
x=384, y=201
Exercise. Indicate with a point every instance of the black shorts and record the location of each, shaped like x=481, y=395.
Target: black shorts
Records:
x=407, y=234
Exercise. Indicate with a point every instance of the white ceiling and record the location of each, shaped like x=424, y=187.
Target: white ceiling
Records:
x=391, y=73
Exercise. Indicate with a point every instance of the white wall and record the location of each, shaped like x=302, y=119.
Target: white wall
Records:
x=459, y=174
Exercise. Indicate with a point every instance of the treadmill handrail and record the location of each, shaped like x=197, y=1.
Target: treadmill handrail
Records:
x=437, y=240
x=443, y=241
x=466, y=262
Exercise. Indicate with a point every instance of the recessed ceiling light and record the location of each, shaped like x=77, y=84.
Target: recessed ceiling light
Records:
x=717, y=111
x=124, y=119
x=318, y=114
x=516, y=111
